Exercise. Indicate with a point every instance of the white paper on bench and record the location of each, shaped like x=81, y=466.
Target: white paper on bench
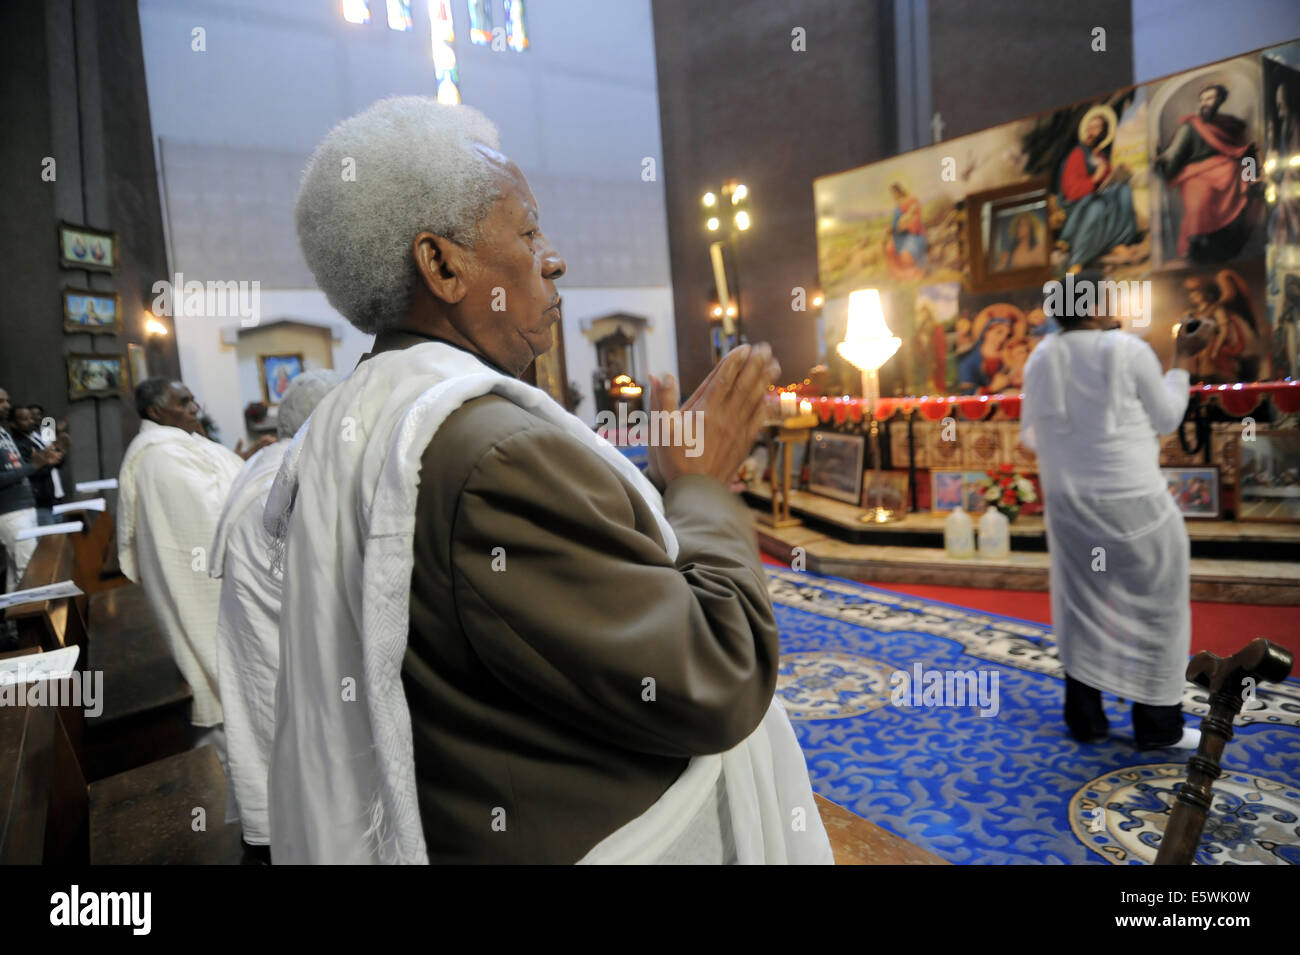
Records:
x=40, y=666
x=64, y=588
x=48, y=530
x=106, y=484
x=94, y=504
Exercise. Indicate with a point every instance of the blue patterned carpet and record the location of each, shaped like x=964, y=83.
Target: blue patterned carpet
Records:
x=1011, y=787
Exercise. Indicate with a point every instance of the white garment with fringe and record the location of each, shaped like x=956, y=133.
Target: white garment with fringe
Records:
x=171, y=490
x=248, y=639
x=342, y=779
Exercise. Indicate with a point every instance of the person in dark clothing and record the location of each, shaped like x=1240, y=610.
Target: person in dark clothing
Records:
x=17, y=505
x=48, y=485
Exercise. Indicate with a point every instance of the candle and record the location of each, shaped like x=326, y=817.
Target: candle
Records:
x=788, y=407
x=805, y=406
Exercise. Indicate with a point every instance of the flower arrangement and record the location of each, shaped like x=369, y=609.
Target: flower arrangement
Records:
x=1007, y=490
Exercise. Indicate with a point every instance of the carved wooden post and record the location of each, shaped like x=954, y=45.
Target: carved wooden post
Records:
x=1258, y=661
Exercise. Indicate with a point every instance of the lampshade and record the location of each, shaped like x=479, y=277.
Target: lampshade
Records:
x=868, y=342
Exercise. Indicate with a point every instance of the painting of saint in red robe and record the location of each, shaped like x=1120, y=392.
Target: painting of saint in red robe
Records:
x=905, y=244
x=1203, y=165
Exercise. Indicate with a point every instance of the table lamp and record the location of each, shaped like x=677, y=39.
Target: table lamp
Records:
x=868, y=344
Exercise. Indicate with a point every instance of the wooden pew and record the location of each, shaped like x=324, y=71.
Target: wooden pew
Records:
x=43, y=802
x=855, y=841
x=146, y=700
x=42, y=624
x=142, y=816
x=146, y=715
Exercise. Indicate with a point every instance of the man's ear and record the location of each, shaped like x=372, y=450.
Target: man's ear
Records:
x=443, y=266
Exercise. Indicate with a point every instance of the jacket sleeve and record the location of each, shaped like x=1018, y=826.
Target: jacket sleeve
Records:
x=12, y=476
x=584, y=613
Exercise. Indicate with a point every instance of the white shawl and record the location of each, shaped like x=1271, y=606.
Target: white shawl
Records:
x=172, y=488
x=342, y=781
x=248, y=638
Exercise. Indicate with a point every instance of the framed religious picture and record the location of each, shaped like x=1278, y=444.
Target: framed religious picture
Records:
x=887, y=489
x=951, y=488
x=1008, y=238
x=1195, y=490
x=99, y=313
x=81, y=247
x=835, y=465
x=1268, y=477
x=96, y=376
x=138, y=364
x=275, y=373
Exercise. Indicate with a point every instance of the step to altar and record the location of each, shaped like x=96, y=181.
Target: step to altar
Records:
x=1218, y=580
x=1218, y=539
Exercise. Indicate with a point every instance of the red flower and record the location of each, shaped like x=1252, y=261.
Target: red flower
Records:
x=1005, y=469
x=1009, y=497
x=1005, y=482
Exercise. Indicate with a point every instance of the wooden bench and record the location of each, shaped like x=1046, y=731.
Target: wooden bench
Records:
x=146, y=706
x=143, y=816
x=43, y=804
x=146, y=700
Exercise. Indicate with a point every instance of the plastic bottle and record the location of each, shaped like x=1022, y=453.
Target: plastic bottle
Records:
x=959, y=534
x=995, y=534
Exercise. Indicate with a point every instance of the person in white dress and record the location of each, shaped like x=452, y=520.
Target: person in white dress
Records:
x=1095, y=403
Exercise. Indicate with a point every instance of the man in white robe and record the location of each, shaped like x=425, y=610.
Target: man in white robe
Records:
x=248, y=625
x=1095, y=403
x=172, y=486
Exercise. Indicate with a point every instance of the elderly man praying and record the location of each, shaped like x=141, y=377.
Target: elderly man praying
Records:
x=500, y=642
x=172, y=486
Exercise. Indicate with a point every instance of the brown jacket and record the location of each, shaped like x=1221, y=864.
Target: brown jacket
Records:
x=542, y=604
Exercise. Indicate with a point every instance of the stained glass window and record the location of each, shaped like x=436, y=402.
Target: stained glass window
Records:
x=444, y=57
x=480, y=22
x=356, y=11
x=516, y=31
x=399, y=15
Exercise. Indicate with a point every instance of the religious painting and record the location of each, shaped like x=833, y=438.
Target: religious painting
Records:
x=96, y=376
x=835, y=465
x=932, y=338
x=1232, y=298
x=899, y=222
x=887, y=489
x=1194, y=490
x=1284, y=315
x=1093, y=158
x=95, y=312
x=81, y=247
x=1206, y=133
x=275, y=373
x=1268, y=477
x=952, y=488
x=1281, y=175
x=993, y=337
x=1007, y=236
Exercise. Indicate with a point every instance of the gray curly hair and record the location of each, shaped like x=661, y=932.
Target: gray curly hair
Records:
x=301, y=398
x=415, y=169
